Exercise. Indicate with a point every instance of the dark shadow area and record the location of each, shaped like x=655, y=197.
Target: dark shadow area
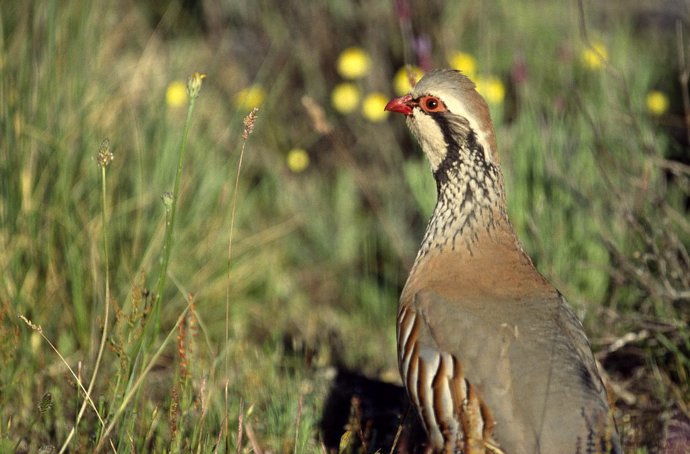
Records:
x=373, y=412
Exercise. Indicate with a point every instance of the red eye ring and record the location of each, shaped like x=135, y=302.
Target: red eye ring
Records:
x=431, y=104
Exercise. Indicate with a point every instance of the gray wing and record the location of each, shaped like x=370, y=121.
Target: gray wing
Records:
x=532, y=366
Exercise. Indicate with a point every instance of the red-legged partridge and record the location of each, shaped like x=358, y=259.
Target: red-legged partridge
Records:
x=492, y=356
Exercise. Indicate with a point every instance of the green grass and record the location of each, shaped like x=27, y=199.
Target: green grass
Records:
x=215, y=339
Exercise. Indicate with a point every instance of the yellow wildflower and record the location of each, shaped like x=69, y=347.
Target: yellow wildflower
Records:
x=250, y=97
x=345, y=97
x=176, y=94
x=401, y=81
x=593, y=57
x=297, y=160
x=372, y=107
x=492, y=89
x=353, y=63
x=464, y=62
x=657, y=102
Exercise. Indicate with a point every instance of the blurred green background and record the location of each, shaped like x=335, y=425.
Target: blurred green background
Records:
x=290, y=248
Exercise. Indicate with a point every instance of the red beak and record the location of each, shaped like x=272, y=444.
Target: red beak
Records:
x=403, y=105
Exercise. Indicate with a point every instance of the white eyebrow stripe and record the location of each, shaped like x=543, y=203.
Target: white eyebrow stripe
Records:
x=458, y=108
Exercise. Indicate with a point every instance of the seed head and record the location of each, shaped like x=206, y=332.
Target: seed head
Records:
x=105, y=156
x=194, y=84
x=249, y=121
x=46, y=403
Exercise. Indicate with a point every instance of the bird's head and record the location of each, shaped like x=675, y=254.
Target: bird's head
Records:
x=448, y=117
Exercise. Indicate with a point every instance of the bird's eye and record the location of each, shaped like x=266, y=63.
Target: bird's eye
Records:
x=432, y=104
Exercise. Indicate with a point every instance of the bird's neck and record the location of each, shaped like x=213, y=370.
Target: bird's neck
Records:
x=470, y=207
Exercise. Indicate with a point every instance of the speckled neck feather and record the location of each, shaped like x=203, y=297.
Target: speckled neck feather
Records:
x=469, y=188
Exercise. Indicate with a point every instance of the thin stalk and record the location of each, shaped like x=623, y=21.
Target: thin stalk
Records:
x=74, y=375
x=170, y=202
x=170, y=219
x=104, y=157
x=153, y=323
x=249, y=122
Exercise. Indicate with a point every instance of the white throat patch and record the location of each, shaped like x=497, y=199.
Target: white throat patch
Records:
x=430, y=137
